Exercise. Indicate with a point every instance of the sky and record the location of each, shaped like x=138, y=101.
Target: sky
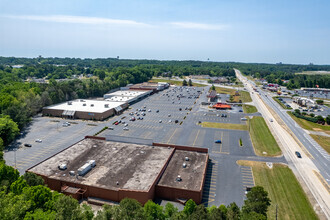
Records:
x=263, y=31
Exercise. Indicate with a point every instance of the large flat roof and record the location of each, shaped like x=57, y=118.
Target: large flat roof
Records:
x=134, y=166
x=86, y=105
x=128, y=93
x=192, y=176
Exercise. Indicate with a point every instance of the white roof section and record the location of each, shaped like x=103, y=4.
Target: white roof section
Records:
x=128, y=93
x=86, y=105
x=119, y=99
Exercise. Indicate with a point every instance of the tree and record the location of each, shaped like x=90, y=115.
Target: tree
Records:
x=257, y=201
x=40, y=215
x=40, y=196
x=153, y=210
x=327, y=119
x=170, y=210
x=1, y=149
x=312, y=115
x=130, y=209
x=8, y=129
x=320, y=118
x=18, y=186
x=189, y=207
x=233, y=211
x=66, y=207
x=8, y=175
x=319, y=102
x=33, y=179
x=190, y=82
x=212, y=87
x=217, y=213
x=87, y=212
x=200, y=212
x=184, y=83
x=297, y=111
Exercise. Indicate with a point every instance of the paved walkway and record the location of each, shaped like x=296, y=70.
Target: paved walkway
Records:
x=321, y=133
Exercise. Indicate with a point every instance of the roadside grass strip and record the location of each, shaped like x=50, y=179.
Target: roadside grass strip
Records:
x=283, y=190
x=249, y=109
x=262, y=139
x=224, y=126
x=308, y=125
x=323, y=141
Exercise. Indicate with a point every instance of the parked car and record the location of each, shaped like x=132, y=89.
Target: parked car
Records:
x=240, y=110
x=217, y=141
x=160, y=121
x=28, y=145
x=38, y=140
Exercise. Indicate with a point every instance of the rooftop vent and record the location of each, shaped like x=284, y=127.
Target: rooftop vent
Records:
x=184, y=165
x=106, y=105
x=62, y=166
x=92, y=105
x=84, y=104
x=178, y=178
x=186, y=158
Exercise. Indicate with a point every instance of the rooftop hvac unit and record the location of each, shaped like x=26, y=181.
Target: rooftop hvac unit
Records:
x=106, y=105
x=72, y=173
x=62, y=166
x=84, y=104
x=69, y=103
x=92, y=105
x=92, y=163
x=186, y=158
x=178, y=178
x=84, y=169
x=184, y=165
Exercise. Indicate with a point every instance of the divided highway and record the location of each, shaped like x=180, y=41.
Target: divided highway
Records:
x=305, y=168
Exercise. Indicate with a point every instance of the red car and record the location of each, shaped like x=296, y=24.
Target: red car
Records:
x=117, y=123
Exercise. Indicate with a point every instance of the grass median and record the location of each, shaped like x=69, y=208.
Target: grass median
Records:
x=243, y=95
x=224, y=126
x=262, y=139
x=323, y=141
x=308, y=125
x=283, y=189
x=249, y=109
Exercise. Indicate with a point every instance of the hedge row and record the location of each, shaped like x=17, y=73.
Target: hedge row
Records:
x=305, y=117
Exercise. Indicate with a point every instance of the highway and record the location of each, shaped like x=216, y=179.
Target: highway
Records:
x=314, y=161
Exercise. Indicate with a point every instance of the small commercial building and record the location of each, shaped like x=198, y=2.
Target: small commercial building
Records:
x=121, y=170
x=212, y=96
x=85, y=109
x=221, y=106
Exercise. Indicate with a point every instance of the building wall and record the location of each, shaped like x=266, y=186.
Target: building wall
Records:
x=171, y=193
x=82, y=115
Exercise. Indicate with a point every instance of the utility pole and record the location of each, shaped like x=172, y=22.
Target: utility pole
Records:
x=276, y=213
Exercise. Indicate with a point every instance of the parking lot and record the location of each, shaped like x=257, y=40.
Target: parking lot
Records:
x=170, y=116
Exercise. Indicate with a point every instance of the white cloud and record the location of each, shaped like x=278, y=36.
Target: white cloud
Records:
x=202, y=26
x=80, y=20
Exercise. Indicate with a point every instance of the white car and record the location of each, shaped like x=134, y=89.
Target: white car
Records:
x=160, y=121
x=149, y=110
x=38, y=140
x=125, y=129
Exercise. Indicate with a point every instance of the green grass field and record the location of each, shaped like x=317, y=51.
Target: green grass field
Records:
x=284, y=191
x=249, y=109
x=323, y=141
x=175, y=82
x=244, y=96
x=308, y=125
x=262, y=139
x=224, y=126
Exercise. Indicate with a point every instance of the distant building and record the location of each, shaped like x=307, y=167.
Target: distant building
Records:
x=212, y=96
x=199, y=76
